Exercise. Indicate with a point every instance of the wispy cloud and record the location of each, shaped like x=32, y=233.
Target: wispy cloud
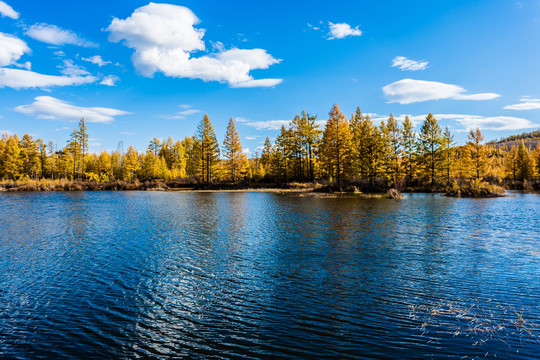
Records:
x=7, y=11
x=54, y=35
x=409, y=91
x=405, y=64
x=48, y=107
x=264, y=125
x=525, y=103
x=96, y=59
x=182, y=114
x=24, y=79
x=342, y=30
x=110, y=80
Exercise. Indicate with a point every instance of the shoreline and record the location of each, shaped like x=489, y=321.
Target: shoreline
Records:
x=465, y=191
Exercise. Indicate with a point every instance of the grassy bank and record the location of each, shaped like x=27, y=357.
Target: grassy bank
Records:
x=474, y=189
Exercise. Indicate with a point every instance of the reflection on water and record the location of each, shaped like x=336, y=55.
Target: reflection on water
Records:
x=262, y=275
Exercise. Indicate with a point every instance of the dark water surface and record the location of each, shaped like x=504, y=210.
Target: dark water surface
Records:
x=262, y=275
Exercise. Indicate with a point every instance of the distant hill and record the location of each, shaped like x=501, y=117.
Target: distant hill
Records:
x=531, y=140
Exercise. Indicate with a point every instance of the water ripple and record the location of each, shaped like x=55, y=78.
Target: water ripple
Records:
x=261, y=275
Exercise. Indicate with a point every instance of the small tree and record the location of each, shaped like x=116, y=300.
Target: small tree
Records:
x=477, y=152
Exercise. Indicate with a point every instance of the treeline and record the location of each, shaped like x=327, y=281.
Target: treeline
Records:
x=346, y=151
x=533, y=135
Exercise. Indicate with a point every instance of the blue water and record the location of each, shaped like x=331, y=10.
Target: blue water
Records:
x=263, y=275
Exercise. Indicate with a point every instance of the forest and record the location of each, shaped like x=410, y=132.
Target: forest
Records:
x=347, y=152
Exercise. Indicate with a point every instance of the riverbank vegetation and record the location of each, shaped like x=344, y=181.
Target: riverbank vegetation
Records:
x=345, y=153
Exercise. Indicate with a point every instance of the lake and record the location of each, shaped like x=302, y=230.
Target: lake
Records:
x=268, y=275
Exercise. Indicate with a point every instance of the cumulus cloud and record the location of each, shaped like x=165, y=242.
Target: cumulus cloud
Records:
x=405, y=64
x=96, y=59
x=11, y=49
x=342, y=30
x=7, y=11
x=54, y=35
x=409, y=91
x=48, y=107
x=110, y=80
x=525, y=103
x=23, y=79
x=164, y=37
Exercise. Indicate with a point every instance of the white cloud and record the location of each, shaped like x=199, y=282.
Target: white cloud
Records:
x=182, y=114
x=26, y=65
x=342, y=30
x=408, y=91
x=96, y=59
x=189, y=112
x=257, y=83
x=164, y=36
x=252, y=137
x=23, y=79
x=11, y=49
x=110, y=80
x=403, y=64
x=313, y=27
x=264, y=125
x=470, y=122
x=69, y=68
x=54, y=35
x=7, y=11
x=525, y=103
x=48, y=107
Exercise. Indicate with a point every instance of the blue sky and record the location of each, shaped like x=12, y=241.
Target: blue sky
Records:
x=137, y=70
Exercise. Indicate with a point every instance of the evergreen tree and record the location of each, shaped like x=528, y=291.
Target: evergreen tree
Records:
x=395, y=143
x=232, y=149
x=82, y=137
x=42, y=150
x=524, y=163
x=371, y=150
x=51, y=151
x=11, y=160
x=430, y=143
x=356, y=141
x=104, y=166
x=266, y=156
x=448, y=152
x=282, y=154
x=130, y=164
x=311, y=137
x=477, y=152
x=29, y=157
x=409, y=147
x=154, y=146
x=511, y=164
x=336, y=145
x=206, y=149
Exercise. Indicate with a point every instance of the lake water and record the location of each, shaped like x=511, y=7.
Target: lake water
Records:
x=265, y=275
